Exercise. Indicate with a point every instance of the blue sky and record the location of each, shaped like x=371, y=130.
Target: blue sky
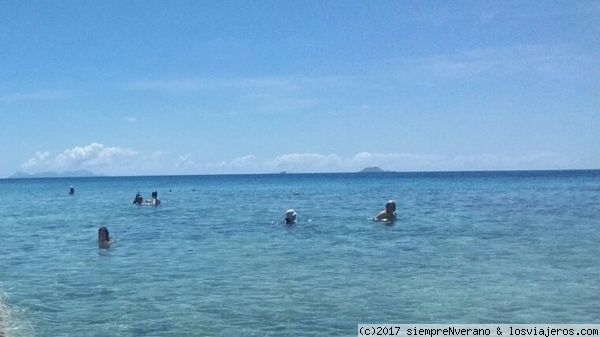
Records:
x=205, y=87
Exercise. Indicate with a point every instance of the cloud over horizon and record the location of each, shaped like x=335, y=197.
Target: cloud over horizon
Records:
x=92, y=156
x=123, y=161
x=316, y=163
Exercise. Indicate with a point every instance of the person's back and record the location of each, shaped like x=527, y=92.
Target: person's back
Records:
x=155, y=200
x=138, y=200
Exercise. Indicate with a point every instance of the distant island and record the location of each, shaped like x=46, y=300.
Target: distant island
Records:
x=50, y=174
x=373, y=169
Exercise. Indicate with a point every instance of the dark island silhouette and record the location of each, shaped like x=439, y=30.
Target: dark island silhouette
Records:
x=373, y=169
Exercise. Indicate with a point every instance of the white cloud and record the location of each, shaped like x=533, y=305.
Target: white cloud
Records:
x=202, y=84
x=266, y=94
x=315, y=162
x=244, y=161
x=47, y=95
x=305, y=162
x=129, y=119
x=543, y=60
x=533, y=161
x=285, y=83
x=115, y=160
x=245, y=164
x=185, y=162
x=39, y=159
x=95, y=157
x=242, y=164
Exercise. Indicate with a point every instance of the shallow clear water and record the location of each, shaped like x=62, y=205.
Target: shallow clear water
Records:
x=215, y=259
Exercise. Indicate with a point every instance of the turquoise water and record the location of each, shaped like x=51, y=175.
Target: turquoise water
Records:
x=215, y=259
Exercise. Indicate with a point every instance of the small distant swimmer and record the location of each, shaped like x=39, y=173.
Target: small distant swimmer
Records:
x=138, y=200
x=155, y=201
x=104, y=240
x=290, y=216
x=389, y=214
x=72, y=190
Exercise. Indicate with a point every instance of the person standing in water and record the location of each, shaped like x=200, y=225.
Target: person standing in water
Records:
x=104, y=240
x=138, y=200
x=389, y=214
x=154, y=200
x=72, y=190
x=290, y=217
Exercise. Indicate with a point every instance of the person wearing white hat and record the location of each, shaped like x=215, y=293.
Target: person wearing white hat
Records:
x=290, y=216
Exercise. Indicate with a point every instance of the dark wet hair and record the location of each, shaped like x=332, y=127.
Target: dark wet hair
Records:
x=103, y=229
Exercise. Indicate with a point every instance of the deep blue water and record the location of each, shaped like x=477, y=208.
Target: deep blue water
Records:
x=215, y=258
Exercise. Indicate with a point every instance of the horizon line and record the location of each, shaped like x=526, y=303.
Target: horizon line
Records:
x=283, y=173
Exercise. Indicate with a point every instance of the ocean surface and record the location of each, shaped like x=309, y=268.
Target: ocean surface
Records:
x=215, y=259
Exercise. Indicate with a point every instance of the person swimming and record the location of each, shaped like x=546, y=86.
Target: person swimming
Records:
x=155, y=201
x=290, y=216
x=104, y=240
x=389, y=214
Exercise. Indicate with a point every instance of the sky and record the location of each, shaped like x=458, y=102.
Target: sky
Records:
x=229, y=87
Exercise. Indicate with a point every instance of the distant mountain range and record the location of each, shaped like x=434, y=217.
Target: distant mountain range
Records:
x=50, y=174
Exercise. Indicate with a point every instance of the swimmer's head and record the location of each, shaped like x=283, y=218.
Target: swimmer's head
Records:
x=390, y=206
x=290, y=216
x=103, y=235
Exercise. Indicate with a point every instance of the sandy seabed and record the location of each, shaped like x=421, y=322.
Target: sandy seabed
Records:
x=13, y=322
